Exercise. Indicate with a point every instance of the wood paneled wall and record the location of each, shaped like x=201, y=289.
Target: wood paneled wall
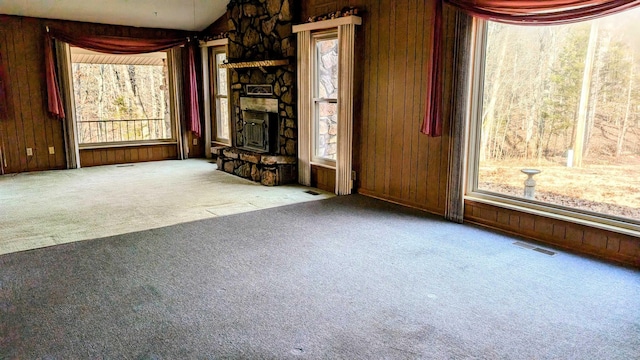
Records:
x=132, y=154
x=392, y=159
x=28, y=124
x=323, y=178
x=584, y=239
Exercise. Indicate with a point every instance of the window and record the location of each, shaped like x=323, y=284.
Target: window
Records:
x=325, y=98
x=560, y=105
x=121, y=98
x=324, y=49
x=222, y=124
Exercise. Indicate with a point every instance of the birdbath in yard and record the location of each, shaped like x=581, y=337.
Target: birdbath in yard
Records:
x=530, y=184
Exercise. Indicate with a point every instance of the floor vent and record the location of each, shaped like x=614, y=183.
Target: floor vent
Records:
x=128, y=165
x=544, y=251
x=524, y=245
x=534, y=248
x=312, y=192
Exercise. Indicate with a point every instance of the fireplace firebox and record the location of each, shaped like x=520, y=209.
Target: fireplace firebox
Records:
x=260, y=125
x=260, y=131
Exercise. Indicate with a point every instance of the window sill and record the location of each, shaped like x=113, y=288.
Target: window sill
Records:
x=125, y=144
x=567, y=215
x=216, y=143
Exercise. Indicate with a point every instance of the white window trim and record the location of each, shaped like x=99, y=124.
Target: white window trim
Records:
x=227, y=141
x=207, y=96
x=346, y=57
x=600, y=221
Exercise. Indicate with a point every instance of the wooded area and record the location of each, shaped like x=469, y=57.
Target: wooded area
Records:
x=121, y=102
x=551, y=89
x=564, y=100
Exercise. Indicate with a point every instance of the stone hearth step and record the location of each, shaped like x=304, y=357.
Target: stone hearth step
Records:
x=269, y=170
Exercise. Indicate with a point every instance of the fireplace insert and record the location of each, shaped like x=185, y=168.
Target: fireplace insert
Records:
x=260, y=125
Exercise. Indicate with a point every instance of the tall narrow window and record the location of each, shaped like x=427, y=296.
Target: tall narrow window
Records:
x=560, y=105
x=121, y=98
x=325, y=97
x=221, y=123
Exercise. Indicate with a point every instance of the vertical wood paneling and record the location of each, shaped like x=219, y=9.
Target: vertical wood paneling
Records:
x=409, y=114
x=41, y=143
x=323, y=178
x=423, y=142
x=398, y=78
x=7, y=125
x=111, y=156
x=380, y=114
x=388, y=113
x=367, y=180
x=22, y=85
x=14, y=142
x=28, y=123
x=416, y=106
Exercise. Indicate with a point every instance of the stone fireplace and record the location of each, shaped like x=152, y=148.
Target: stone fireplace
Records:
x=262, y=52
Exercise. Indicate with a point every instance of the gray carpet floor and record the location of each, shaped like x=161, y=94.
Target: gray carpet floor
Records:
x=344, y=278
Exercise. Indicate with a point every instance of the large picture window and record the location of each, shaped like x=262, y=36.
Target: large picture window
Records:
x=560, y=104
x=121, y=98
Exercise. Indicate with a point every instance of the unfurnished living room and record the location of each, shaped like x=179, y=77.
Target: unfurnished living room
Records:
x=319, y=179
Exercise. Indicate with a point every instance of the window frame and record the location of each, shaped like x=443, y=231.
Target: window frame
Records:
x=317, y=100
x=473, y=193
x=131, y=143
x=215, y=50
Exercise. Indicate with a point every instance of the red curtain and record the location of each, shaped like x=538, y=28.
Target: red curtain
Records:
x=520, y=12
x=191, y=91
x=120, y=45
x=54, y=100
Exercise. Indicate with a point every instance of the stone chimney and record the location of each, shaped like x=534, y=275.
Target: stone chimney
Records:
x=261, y=30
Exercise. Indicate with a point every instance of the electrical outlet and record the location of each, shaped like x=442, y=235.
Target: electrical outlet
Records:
x=353, y=175
x=29, y=152
x=195, y=141
x=52, y=150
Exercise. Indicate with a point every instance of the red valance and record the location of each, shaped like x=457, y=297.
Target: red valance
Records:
x=117, y=45
x=520, y=12
x=123, y=46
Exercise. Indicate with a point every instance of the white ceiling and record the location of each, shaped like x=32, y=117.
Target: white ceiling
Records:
x=193, y=15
